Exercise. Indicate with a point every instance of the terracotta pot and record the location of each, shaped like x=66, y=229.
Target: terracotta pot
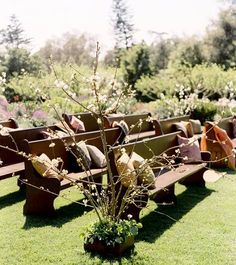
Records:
x=101, y=248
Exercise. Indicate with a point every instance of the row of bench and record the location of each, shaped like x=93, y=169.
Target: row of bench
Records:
x=40, y=200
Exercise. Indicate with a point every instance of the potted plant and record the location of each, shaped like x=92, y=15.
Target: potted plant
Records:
x=108, y=237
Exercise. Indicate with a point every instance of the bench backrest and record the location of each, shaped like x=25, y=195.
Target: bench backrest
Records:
x=227, y=125
x=133, y=119
x=30, y=134
x=153, y=146
x=113, y=136
x=167, y=125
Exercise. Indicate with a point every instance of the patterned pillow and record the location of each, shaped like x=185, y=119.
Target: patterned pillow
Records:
x=44, y=166
x=126, y=170
x=189, y=149
x=144, y=172
x=97, y=156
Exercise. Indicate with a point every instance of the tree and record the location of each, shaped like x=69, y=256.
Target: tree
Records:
x=189, y=52
x=135, y=64
x=220, y=40
x=122, y=25
x=71, y=48
x=19, y=60
x=160, y=53
x=13, y=35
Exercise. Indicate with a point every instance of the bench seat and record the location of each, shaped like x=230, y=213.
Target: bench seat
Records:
x=10, y=170
x=169, y=178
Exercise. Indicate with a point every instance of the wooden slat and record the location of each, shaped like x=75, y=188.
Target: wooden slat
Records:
x=65, y=183
x=6, y=171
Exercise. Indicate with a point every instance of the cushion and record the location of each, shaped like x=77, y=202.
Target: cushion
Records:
x=189, y=149
x=44, y=166
x=143, y=170
x=196, y=124
x=124, y=126
x=77, y=124
x=234, y=127
x=97, y=156
x=126, y=170
x=80, y=151
x=185, y=127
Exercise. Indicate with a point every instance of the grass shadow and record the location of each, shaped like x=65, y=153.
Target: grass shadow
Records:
x=154, y=224
x=60, y=216
x=11, y=198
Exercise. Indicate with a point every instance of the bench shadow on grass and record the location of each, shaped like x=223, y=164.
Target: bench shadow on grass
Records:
x=155, y=224
x=61, y=216
x=11, y=198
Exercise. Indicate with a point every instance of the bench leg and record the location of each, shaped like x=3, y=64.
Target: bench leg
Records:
x=38, y=200
x=165, y=196
x=195, y=179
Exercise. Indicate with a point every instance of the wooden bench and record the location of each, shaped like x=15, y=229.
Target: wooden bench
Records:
x=38, y=199
x=149, y=127
x=13, y=163
x=187, y=174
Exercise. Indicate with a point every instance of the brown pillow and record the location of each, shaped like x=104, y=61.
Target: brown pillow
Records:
x=189, y=149
x=196, y=124
x=44, y=166
x=97, y=156
x=126, y=170
x=144, y=172
x=77, y=124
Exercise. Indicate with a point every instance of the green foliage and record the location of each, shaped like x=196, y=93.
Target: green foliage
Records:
x=204, y=111
x=16, y=61
x=135, y=63
x=112, y=232
x=160, y=54
x=188, y=53
x=220, y=40
x=149, y=88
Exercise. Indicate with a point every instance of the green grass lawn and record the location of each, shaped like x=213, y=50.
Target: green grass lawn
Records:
x=204, y=230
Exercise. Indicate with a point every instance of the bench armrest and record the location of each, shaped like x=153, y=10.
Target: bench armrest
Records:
x=157, y=127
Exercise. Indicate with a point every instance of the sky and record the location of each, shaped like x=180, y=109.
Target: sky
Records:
x=47, y=19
